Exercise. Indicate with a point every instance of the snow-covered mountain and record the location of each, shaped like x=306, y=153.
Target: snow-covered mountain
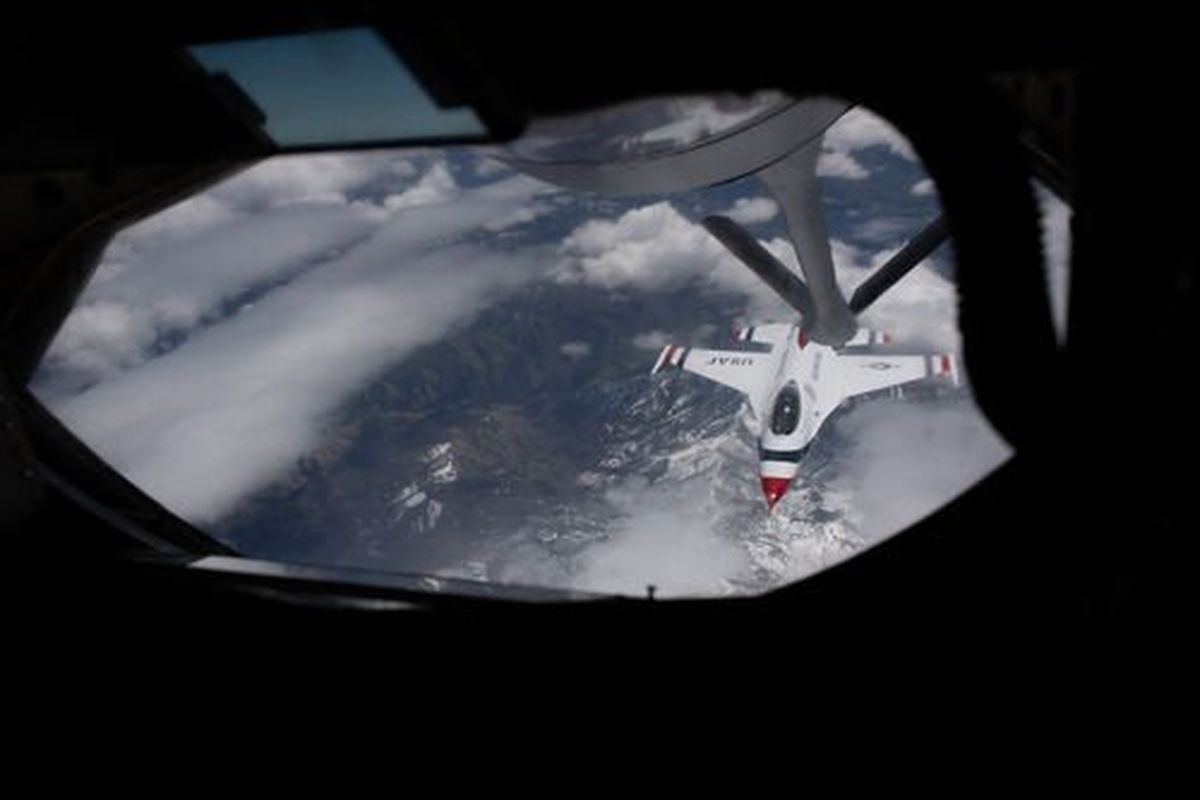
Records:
x=494, y=456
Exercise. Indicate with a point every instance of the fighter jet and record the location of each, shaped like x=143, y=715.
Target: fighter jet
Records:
x=812, y=366
x=794, y=387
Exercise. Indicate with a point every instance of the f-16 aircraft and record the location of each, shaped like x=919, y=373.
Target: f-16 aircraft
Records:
x=794, y=387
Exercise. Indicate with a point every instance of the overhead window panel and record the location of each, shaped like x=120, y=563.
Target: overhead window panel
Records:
x=335, y=87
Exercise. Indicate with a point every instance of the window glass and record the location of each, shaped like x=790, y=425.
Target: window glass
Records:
x=786, y=415
x=431, y=362
x=334, y=86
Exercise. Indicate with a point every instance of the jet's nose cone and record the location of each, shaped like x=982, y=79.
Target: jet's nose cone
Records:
x=774, y=489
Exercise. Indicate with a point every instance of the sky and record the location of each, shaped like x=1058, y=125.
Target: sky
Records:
x=218, y=338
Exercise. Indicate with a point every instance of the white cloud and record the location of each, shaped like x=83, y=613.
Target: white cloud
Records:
x=920, y=310
x=905, y=460
x=99, y=338
x=272, y=184
x=171, y=286
x=234, y=406
x=435, y=186
x=833, y=164
x=849, y=262
x=575, y=350
x=404, y=168
x=528, y=199
x=652, y=340
x=287, y=180
x=922, y=188
x=655, y=247
x=490, y=168
x=520, y=216
x=663, y=536
x=179, y=222
x=168, y=273
x=752, y=210
x=858, y=129
x=651, y=247
x=880, y=230
x=519, y=199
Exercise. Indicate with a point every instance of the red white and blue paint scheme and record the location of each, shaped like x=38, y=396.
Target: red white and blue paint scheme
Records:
x=793, y=388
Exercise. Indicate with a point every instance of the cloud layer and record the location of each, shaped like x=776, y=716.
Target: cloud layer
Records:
x=656, y=248
x=752, y=210
x=857, y=130
x=904, y=461
x=170, y=283
x=236, y=404
x=663, y=537
x=920, y=310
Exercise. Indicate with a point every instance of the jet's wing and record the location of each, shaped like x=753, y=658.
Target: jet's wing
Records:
x=773, y=333
x=746, y=372
x=870, y=373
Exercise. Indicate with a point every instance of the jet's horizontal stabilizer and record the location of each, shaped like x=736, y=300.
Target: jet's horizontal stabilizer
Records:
x=771, y=270
x=869, y=338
